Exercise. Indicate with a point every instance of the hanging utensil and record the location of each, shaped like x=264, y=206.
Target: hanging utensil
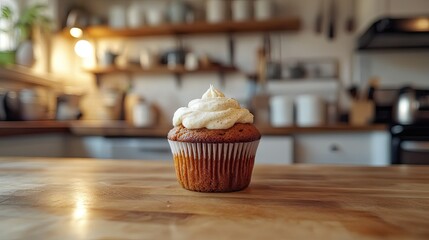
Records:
x=332, y=20
x=318, y=24
x=351, y=20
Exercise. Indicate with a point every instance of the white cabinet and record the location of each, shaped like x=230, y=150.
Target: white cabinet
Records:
x=138, y=148
x=43, y=145
x=370, y=148
x=86, y=147
x=118, y=148
x=275, y=150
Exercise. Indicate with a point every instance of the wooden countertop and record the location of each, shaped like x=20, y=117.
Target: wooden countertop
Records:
x=122, y=129
x=96, y=199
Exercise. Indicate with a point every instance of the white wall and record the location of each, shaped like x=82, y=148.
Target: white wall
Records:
x=395, y=69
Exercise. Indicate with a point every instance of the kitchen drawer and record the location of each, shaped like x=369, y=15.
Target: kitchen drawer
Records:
x=40, y=145
x=275, y=150
x=138, y=148
x=86, y=147
x=343, y=148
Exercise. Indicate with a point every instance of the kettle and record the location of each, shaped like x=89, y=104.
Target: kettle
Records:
x=407, y=106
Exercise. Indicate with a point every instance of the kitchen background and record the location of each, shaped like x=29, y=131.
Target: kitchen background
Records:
x=311, y=62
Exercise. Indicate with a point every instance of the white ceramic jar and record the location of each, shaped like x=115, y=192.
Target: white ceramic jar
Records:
x=135, y=15
x=155, y=16
x=310, y=111
x=117, y=16
x=281, y=111
x=240, y=10
x=147, y=59
x=216, y=11
x=143, y=114
x=191, y=61
x=263, y=9
x=25, y=54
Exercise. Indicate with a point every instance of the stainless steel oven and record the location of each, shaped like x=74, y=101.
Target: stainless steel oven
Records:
x=410, y=131
x=410, y=144
x=414, y=152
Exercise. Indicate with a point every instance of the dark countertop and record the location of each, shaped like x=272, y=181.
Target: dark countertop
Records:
x=123, y=129
x=86, y=199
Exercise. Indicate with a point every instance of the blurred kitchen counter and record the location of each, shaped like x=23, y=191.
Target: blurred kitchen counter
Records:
x=123, y=129
x=340, y=127
x=116, y=129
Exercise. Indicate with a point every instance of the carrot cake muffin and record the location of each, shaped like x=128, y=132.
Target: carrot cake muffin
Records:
x=214, y=144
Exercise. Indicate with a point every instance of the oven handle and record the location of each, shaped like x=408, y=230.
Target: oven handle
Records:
x=415, y=146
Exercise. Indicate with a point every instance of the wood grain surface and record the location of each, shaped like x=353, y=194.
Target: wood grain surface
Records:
x=101, y=199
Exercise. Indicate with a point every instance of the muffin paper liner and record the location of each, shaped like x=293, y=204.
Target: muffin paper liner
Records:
x=214, y=167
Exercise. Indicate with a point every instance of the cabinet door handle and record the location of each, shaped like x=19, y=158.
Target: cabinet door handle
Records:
x=335, y=148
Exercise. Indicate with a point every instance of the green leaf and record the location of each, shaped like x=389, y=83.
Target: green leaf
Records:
x=30, y=17
x=6, y=12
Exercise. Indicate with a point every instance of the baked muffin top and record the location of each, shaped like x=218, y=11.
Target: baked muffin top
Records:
x=239, y=132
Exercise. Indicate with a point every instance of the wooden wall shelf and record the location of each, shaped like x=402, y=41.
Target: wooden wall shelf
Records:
x=177, y=72
x=266, y=26
x=26, y=76
x=159, y=70
x=282, y=24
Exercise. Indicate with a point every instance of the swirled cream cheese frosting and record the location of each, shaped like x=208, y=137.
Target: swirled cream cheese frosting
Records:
x=212, y=111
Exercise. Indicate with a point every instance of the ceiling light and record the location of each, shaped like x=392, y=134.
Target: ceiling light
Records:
x=83, y=49
x=76, y=32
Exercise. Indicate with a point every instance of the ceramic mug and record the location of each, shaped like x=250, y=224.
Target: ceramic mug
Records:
x=117, y=16
x=143, y=115
x=281, y=111
x=263, y=9
x=310, y=111
x=178, y=11
x=240, y=10
x=155, y=17
x=216, y=11
x=108, y=58
x=191, y=61
x=135, y=15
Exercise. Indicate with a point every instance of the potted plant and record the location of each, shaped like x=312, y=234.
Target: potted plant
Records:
x=8, y=36
x=20, y=32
